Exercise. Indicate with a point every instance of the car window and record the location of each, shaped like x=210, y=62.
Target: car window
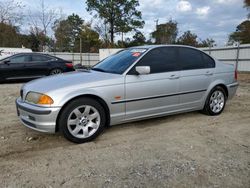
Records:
x=40, y=58
x=119, y=62
x=163, y=59
x=190, y=59
x=208, y=61
x=20, y=59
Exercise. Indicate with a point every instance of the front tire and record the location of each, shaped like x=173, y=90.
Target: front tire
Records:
x=215, y=102
x=82, y=120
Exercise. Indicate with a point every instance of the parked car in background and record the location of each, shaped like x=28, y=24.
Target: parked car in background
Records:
x=31, y=66
x=133, y=84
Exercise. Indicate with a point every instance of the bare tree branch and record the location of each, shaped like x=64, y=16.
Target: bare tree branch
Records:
x=43, y=18
x=11, y=12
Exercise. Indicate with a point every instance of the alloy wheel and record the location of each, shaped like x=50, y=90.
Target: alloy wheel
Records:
x=217, y=101
x=83, y=121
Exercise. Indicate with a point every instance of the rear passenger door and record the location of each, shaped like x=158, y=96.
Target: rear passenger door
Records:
x=195, y=76
x=39, y=65
x=154, y=93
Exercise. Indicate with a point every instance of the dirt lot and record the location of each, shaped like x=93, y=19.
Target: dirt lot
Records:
x=187, y=150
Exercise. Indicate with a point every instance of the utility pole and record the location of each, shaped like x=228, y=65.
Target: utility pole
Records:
x=81, y=50
x=156, y=23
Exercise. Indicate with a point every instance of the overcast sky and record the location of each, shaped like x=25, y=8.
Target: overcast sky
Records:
x=207, y=18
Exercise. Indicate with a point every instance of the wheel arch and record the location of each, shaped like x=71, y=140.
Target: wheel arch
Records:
x=211, y=87
x=224, y=87
x=92, y=96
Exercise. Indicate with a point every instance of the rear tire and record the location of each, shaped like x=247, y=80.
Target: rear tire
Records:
x=55, y=71
x=215, y=102
x=82, y=120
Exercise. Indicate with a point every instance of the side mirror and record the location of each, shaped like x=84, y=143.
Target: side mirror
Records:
x=143, y=70
x=6, y=61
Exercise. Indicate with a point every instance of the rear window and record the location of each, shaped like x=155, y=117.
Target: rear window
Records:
x=190, y=59
x=208, y=61
x=40, y=58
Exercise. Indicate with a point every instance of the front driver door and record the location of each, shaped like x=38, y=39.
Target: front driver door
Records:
x=155, y=93
x=14, y=68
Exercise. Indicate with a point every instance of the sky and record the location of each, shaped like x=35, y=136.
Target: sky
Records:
x=207, y=18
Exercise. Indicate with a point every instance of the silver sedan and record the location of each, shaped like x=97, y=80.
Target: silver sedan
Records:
x=133, y=84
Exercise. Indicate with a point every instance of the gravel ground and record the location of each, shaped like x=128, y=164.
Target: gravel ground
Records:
x=186, y=150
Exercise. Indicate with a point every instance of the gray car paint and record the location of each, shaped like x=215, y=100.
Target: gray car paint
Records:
x=107, y=86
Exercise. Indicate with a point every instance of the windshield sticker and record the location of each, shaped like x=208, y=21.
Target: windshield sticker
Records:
x=136, y=54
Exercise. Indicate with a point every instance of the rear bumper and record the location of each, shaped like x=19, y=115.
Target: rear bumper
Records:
x=38, y=118
x=232, y=88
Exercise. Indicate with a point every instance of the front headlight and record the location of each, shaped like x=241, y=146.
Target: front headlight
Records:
x=39, y=98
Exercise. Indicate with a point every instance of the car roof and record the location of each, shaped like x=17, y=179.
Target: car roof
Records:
x=162, y=45
x=32, y=53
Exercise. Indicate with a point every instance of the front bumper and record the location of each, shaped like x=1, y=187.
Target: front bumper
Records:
x=41, y=119
x=232, y=88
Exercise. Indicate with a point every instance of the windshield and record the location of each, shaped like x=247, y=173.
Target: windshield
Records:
x=119, y=62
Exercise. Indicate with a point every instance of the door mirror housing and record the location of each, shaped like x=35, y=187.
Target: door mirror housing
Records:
x=6, y=61
x=142, y=70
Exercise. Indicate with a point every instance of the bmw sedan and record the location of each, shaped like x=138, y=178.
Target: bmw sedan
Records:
x=32, y=65
x=133, y=84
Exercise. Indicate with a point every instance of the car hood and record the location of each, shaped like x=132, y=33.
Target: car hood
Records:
x=79, y=79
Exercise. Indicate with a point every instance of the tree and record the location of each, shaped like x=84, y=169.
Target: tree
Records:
x=139, y=39
x=247, y=5
x=8, y=35
x=102, y=29
x=242, y=33
x=63, y=36
x=188, y=38
x=10, y=12
x=67, y=32
x=76, y=24
x=43, y=19
x=89, y=38
x=122, y=16
x=209, y=42
x=37, y=39
x=166, y=33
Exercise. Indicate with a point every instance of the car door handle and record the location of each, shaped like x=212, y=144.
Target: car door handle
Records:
x=208, y=73
x=172, y=77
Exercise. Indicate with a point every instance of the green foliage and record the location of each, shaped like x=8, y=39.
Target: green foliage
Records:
x=247, y=5
x=68, y=33
x=242, y=33
x=209, y=42
x=188, y=38
x=122, y=16
x=138, y=40
x=90, y=40
x=63, y=36
x=166, y=33
x=8, y=35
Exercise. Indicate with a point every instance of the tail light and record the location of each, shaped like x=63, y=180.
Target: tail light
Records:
x=69, y=65
x=235, y=75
